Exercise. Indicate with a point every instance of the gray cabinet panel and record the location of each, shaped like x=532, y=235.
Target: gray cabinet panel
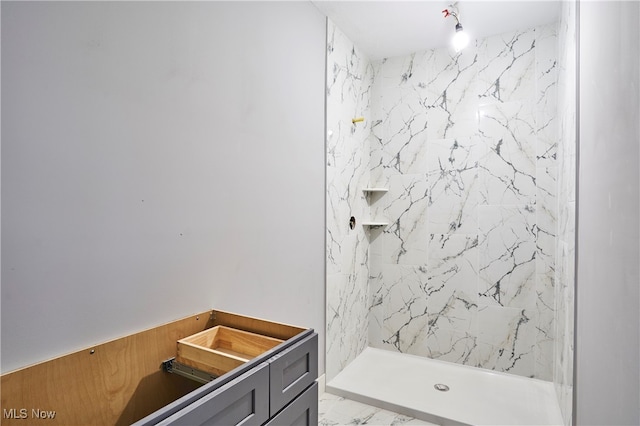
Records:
x=303, y=411
x=181, y=403
x=242, y=401
x=292, y=371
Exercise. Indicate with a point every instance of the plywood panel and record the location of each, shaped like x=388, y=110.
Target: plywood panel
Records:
x=117, y=382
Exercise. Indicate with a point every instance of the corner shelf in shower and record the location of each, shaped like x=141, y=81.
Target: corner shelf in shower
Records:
x=367, y=190
x=373, y=223
x=380, y=222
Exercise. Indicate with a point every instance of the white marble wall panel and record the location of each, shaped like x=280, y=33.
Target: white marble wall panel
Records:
x=546, y=95
x=376, y=289
x=452, y=179
x=404, y=131
x=404, y=128
x=546, y=218
x=405, y=320
x=349, y=88
x=466, y=144
x=405, y=239
x=451, y=93
x=546, y=57
x=508, y=161
x=452, y=289
x=563, y=350
x=453, y=346
x=344, y=199
x=546, y=235
x=346, y=323
x=378, y=176
x=506, y=340
x=566, y=189
x=507, y=261
x=376, y=137
x=405, y=71
x=506, y=69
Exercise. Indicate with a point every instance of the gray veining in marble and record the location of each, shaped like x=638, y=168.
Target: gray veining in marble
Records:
x=338, y=411
x=349, y=85
x=467, y=145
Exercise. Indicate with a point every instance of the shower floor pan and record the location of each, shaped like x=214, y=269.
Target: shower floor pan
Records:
x=406, y=384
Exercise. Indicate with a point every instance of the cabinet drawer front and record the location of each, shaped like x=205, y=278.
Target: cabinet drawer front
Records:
x=244, y=400
x=303, y=411
x=292, y=371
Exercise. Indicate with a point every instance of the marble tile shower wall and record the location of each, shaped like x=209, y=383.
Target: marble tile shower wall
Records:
x=466, y=144
x=565, y=245
x=349, y=85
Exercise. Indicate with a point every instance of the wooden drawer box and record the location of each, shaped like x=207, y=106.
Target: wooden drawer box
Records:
x=220, y=349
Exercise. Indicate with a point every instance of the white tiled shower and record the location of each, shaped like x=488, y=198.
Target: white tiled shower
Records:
x=475, y=264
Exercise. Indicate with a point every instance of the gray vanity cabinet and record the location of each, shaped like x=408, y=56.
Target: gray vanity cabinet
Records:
x=291, y=372
x=244, y=401
x=211, y=368
x=303, y=411
x=277, y=388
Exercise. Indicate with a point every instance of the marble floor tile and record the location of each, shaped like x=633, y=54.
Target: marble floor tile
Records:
x=334, y=410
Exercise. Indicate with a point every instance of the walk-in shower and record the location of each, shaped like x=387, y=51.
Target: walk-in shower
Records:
x=461, y=180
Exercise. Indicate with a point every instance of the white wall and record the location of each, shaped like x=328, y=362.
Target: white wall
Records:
x=607, y=347
x=158, y=159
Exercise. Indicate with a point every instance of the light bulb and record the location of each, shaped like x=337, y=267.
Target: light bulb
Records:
x=460, y=39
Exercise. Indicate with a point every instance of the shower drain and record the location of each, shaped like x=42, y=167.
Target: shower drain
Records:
x=441, y=387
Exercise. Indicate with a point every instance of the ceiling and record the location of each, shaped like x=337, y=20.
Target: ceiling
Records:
x=383, y=29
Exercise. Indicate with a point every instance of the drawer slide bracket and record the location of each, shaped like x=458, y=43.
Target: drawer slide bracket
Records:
x=174, y=367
